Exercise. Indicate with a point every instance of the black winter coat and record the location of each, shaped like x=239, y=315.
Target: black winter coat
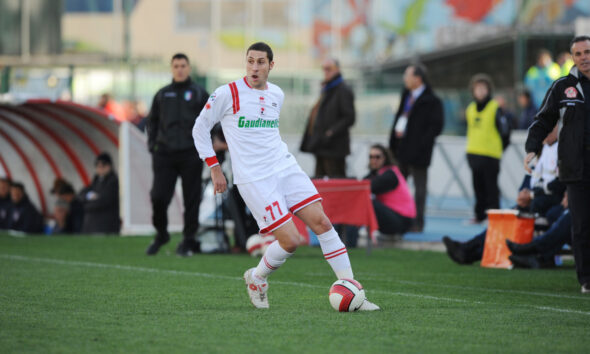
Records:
x=335, y=113
x=174, y=110
x=425, y=123
x=101, y=215
x=25, y=217
x=563, y=103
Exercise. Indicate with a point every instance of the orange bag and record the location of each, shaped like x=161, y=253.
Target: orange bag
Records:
x=502, y=225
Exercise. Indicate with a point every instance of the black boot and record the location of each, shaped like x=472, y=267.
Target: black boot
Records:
x=159, y=241
x=517, y=248
x=455, y=250
x=187, y=247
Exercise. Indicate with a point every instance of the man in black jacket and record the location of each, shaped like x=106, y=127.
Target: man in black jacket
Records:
x=4, y=202
x=567, y=104
x=101, y=199
x=23, y=216
x=169, y=127
x=327, y=132
x=418, y=121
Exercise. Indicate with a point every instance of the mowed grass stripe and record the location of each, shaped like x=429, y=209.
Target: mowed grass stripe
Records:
x=299, y=284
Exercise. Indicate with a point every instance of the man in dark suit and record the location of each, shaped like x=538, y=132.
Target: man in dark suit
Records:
x=101, y=199
x=327, y=131
x=419, y=120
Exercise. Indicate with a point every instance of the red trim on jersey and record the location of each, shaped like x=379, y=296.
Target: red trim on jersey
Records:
x=335, y=253
x=276, y=224
x=235, y=97
x=246, y=81
x=268, y=264
x=211, y=161
x=302, y=204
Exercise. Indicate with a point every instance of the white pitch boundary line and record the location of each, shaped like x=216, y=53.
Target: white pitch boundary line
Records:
x=520, y=292
x=226, y=277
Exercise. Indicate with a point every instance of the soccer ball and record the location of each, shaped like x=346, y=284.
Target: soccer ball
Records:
x=257, y=244
x=346, y=295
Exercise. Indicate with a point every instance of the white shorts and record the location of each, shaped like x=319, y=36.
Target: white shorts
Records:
x=272, y=200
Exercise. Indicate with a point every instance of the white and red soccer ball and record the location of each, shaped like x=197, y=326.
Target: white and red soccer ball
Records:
x=346, y=295
x=256, y=244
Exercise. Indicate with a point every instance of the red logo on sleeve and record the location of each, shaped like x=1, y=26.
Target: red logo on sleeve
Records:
x=571, y=92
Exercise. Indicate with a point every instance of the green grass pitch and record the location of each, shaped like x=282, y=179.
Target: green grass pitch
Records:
x=102, y=294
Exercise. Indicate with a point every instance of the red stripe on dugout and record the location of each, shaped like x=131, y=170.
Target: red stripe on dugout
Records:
x=235, y=97
x=314, y=198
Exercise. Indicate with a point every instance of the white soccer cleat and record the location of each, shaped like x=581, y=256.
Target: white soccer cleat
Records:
x=257, y=292
x=368, y=306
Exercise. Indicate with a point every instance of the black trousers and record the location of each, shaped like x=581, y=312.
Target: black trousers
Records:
x=579, y=203
x=420, y=176
x=389, y=221
x=167, y=167
x=332, y=167
x=484, y=171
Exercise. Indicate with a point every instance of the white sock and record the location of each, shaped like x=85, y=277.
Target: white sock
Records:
x=273, y=258
x=336, y=254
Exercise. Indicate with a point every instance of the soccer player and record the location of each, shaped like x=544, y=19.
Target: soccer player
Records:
x=268, y=177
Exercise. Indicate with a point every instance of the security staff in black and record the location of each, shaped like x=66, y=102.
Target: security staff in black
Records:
x=169, y=128
x=567, y=104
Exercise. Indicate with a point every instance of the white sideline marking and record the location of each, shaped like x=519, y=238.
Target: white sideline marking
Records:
x=521, y=292
x=218, y=276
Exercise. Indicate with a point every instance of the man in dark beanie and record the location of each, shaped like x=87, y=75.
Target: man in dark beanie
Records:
x=101, y=199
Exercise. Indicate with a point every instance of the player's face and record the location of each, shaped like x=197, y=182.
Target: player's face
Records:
x=16, y=194
x=330, y=70
x=4, y=189
x=180, y=70
x=376, y=159
x=480, y=91
x=581, y=56
x=257, y=69
x=411, y=81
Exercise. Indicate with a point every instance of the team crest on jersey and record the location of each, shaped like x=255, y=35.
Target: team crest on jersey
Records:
x=212, y=97
x=188, y=95
x=571, y=92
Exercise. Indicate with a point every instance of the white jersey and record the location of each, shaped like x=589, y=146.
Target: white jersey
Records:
x=546, y=169
x=250, y=122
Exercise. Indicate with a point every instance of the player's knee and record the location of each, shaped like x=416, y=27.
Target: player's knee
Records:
x=289, y=244
x=321, y=224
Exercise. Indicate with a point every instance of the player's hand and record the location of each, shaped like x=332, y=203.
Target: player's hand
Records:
x=527, y=161
x=219, y=181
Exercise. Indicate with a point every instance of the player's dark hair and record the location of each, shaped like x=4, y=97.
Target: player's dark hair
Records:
x=482, y=79
x=18, y=185
x=261, y=47
x=420, y=71
x=180, y=56
x=389, y=160
x=577, y=39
